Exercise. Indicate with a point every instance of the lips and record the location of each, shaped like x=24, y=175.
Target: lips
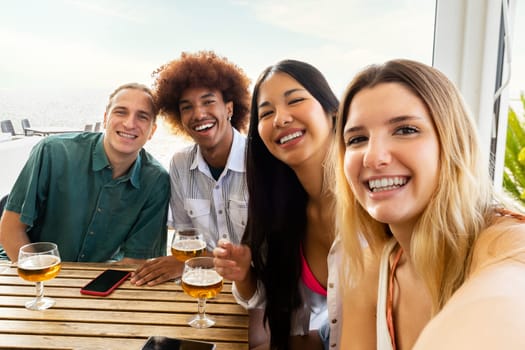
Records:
x=284, y=138
x=126, y=135
x=387, y=183
x=204, y=126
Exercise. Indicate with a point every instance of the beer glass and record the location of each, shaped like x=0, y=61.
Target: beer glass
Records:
x=39, y=262
x=200, y=280
x=187, y=243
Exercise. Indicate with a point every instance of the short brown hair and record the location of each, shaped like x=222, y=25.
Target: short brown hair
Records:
x=135, y=86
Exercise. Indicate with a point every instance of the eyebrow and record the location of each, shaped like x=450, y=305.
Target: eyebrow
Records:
x=286, y=94
x=206, y=95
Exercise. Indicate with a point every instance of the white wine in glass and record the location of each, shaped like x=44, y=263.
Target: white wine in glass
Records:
x=39, y=262
x=200, y=280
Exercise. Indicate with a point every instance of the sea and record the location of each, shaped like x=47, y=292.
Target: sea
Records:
x=76, y=108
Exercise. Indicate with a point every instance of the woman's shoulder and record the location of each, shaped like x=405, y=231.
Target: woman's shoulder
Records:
x=503, y=240
x=491, y=298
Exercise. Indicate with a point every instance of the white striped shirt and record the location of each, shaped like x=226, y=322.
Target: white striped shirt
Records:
x=219, y=208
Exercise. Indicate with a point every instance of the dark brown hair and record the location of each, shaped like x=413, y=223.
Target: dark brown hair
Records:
x=201, y=69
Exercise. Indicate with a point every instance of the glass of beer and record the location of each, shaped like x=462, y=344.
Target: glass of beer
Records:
x=200, y=280
x=39, y=262
x=187, y=243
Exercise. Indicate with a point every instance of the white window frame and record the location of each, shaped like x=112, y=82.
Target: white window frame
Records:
x=466, y=42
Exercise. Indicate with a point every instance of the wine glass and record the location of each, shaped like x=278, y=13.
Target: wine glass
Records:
x=39, y=262
x=200, y=280
x=187, y=243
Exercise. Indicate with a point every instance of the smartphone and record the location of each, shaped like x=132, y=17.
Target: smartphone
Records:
x=105, y=283
x=165, y=343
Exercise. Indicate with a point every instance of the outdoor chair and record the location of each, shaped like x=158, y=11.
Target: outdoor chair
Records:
x=97, y=127
x=7, y=127
x=26, y=125
x=88, y=127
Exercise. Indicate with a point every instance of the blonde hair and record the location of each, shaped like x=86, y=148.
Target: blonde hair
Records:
x=462, y=204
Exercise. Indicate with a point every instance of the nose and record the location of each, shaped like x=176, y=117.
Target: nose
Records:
x=377, y=154
x=281, y=119
x=200, y=111
x=129, y=121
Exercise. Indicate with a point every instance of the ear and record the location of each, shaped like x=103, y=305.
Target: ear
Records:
x=229, y=108
x=105, y=120
x=153, y=128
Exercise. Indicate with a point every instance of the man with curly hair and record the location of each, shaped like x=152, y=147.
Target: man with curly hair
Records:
x=204, y=97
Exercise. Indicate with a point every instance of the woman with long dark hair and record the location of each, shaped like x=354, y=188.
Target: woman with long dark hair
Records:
x=282, y=266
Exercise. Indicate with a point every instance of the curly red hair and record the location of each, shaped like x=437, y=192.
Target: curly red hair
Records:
x=201, y=69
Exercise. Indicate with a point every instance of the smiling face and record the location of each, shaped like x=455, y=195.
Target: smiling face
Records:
x=129, y=122
x=392, y=152
x=204, y=115
x=292, y=123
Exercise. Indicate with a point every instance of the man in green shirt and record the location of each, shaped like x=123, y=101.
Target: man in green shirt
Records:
x=98, y=196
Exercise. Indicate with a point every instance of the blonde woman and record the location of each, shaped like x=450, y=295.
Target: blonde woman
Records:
x=443, y=266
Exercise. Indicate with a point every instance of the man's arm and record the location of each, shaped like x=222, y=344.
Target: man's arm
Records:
x=12, y=234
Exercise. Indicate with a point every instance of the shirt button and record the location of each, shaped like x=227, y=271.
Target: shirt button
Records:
x=224, y=235
x=220, y=211
x=333, y=345
x=330, y=285
x=92, y=233
x=217, y=187
x=334, y=321
x=99, y=210
x=82, y=255
x=191, y=212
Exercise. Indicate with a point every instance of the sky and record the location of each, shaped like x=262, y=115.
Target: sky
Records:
x=72, y=47
x=100, y=44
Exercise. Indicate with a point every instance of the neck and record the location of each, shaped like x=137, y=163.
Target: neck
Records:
x=217, y=156
x=311, y=176
x=119, y=164
x=403, y=235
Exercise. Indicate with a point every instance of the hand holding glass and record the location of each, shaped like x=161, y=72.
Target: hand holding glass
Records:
x=39, y=262
x=200, y=280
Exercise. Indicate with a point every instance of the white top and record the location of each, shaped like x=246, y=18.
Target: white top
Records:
x=219, y=208
x=384, y=342
x=334, y=293
x=316, y=310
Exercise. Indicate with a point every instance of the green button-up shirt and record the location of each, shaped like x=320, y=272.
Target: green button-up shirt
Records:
x=66, y=194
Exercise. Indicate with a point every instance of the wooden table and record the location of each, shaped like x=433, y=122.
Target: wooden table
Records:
x=122, y=320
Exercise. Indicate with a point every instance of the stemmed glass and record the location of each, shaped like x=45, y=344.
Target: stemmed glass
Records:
x=187, y=243
x=200, y=280
x=39, y=262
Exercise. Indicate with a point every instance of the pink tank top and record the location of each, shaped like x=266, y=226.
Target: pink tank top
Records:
x=309, y=279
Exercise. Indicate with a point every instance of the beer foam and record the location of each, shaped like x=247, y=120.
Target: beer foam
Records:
x=201, y=277
x=38, y=262
x=189, y=245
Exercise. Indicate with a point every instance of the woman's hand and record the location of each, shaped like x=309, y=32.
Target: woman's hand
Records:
x=232, y=261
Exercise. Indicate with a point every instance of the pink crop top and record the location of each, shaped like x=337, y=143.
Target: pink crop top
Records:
x=309, y=279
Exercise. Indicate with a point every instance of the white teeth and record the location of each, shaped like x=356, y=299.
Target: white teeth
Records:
x=128, y=136
x=203, y=127
x=290, y=137
x=386, y=184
